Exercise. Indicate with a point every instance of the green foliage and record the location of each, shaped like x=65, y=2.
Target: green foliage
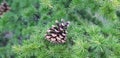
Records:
x=94, y=31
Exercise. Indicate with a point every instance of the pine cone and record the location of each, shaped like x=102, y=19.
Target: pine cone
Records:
x=57, y=34
x=4, y=8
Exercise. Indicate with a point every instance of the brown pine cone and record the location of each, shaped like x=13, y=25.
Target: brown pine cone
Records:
x=57, y=34
x=4, y=7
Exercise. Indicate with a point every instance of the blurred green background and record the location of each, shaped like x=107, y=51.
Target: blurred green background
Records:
x=94, y=31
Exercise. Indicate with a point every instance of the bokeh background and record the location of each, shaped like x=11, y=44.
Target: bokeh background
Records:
x=94, y=31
